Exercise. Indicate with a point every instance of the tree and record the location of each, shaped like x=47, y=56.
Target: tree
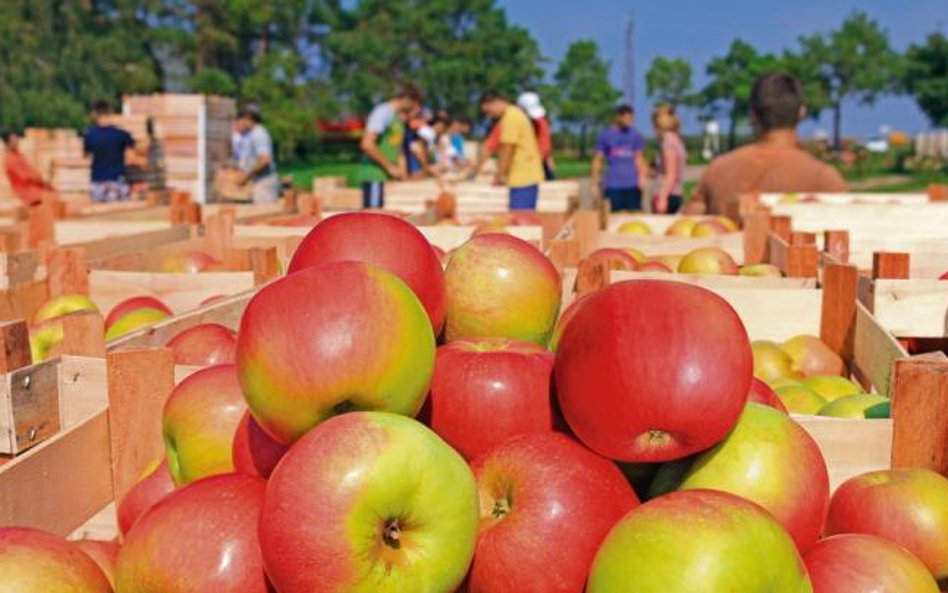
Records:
x=926, y=77
x=452, y=50
x=668, y=80
x=732, y=79
x=855, y=61
x=583, y=94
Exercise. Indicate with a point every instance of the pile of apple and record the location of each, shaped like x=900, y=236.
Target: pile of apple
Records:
x=704, y=260
x=807, y=377
x=685, y=226
x=302, y=468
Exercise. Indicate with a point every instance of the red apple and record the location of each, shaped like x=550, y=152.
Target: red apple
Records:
x=643, y=374
x=708, y=260
x=698, y=541
x=385, y=241
x=500, y=286
x=943, y=276
x=103, y=554
x=199, y=421
x=202, y=537
x=906, y=506
x=564, y=319
x=856, y=563
x=331, y=339
x=191, y=262
x=484, y=392
x=769, y=459
x=255, y=452
x=205, y=344
x=369, y=501
x=761, y=393
x=538, y=493
x=655, y=266
x=33, y=561
x=151, y=488
x=132, y=304
x=618, y=259
x=709, y=227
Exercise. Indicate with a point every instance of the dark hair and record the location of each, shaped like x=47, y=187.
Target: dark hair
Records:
x=5, y=136
x=251, y=112
x=411, y=92
x=439, y=119
x=101, y=107
x=776, y=100
x=490, y=96
x=624, y=109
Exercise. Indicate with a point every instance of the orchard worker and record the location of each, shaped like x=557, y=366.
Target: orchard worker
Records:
x=519, y=164
x=531, y=105
x=671, y=160
x=382, y=144
x=107, y=144
x=255, y=156
x=620, y=147
x=25, y=181
x=775, y=162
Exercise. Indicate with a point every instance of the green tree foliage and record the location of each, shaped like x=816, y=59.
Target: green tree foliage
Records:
x=453, y=50
x=668, y=80
x=583, y=96
x=855, y=61
x=732, y=77
x=926, y=77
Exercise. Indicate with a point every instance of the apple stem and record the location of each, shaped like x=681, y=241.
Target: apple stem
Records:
x=392, y=534
x=501, y=508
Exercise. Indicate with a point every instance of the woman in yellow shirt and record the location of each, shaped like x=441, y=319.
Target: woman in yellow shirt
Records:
x=519, y=164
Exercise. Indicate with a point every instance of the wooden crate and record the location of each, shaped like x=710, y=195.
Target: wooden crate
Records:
x=412, y=196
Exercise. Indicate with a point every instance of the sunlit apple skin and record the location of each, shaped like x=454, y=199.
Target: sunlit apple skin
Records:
x=133, y=321
x=199, y=421
x=655, y=266
x=708, y=260
x=771, y=362
x=642, y=376
x=103, y=553
x=192, y=262
x=617, y=259
x=500, y=286
x=812, y=357
x=63, y=305
x=485, y=392
x=129, y=305
x=856, y=563
x=369, y=502
x=537, y=492
x=761, y=393
x=564, y=319
x=200, y=539
x=769, y=459
x=151, y=488
x=635, y=227
x=255, y=452
x=761, y=271
x=681, y=227
x=395, y=246
x=33, y=561
x=709, y=228
x=331, y=339
x=698, y=541
x=205, y=344
x=832, y=387
x=800, y=399
x=906, y=506
x=852, y=406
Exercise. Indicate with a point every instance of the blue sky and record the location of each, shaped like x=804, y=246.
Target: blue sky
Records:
x=699, y=30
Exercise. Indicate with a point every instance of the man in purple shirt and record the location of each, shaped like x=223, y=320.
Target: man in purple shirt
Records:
x=620, y=147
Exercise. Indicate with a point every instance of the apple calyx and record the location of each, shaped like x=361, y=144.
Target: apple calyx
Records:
x=392, y=534
x=654, y=438
x=501, y=508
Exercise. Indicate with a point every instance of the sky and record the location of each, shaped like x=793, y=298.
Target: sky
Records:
x=699, y=30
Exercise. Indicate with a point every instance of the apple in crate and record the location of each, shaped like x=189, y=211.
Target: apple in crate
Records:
x=484, y=392
x=500, y=286
x=199, y=421
x=128, y=305
x=800, y=399
x=635, y=227
x=616, y=259
x=812, y=357
x=708, y=260
x=771, y=362
x=682, y=227
x=709, y=227
x=906, y=506
x=761, y=393
x=539, y=493
x=331, y=339
x=46, y=326
x=856, y=563
x=191, y=262
x=103, y=553
x=134, y=320
x=205, y=344
x=698, y=541
x=203, y=537
x=255, y=452
x=769, y=459
x=832, y=387
x=369, y=501
x=862, y=405
x=63, y=305
x=385, y=241
x=153, y=486
x=760, y=271
x=655, y=266
x=643, y=375
x=33, y=561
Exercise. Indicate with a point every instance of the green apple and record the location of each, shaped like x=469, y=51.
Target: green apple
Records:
x=44, y=338
x=761, y=271
x=698, y=541
x=800, y=399
x=855, y=406
x=771, y=362
x=832, y=387
x=134, y=320
x=64, y=304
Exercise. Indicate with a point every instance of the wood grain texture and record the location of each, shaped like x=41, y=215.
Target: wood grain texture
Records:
x=15, y=336
x=756, y=233
x=66, y=271
x=890, y=265
x=850, y=447
x=836, y=243
x=874, y=351
x=838, y=319
x=83, y=335
x=920, y=413
x=29, y=407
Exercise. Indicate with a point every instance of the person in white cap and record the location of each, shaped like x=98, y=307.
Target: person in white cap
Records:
x=531, y=104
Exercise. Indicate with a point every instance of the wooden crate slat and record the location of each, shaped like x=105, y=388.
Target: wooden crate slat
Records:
x=854, y=446
x=910, y=308
x=181, y=292
x=874, y=351
x=29, y=407
x=920, y=409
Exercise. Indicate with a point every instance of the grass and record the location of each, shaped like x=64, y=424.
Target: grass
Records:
x=918, y=183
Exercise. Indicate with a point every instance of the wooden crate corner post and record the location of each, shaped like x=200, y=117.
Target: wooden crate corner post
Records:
x=920, y=412
x=66, y=271
x=838, y=319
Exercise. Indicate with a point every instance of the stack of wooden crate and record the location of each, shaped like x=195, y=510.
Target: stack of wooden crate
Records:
x=194, y=133
x=58, y=155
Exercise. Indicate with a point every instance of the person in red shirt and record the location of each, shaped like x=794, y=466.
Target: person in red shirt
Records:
x=25, y=180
